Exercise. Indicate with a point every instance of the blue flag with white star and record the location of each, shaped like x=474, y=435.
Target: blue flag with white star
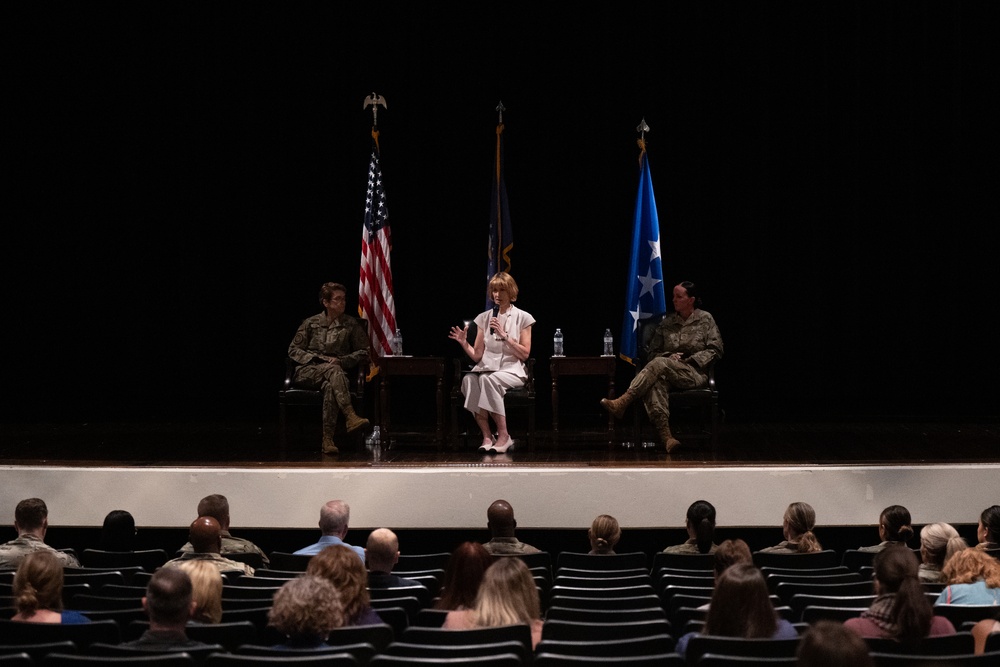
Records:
x=644, y=296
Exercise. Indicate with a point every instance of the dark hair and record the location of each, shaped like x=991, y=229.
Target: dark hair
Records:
x=168, y=596
x=896, y=520
x=741, y=605
x=701, y=519
x=831, y=644
x=31, y=513
x=896, y=569
x=118, y=531
x=729, y=553
x=462, y=575
x=692, y=291
x=215, y=506
x=326, y=290
x=991, y=522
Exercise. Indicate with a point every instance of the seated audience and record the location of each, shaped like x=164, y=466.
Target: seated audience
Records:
x=604, y=534
x=31, y=521
x=797, y=526
x=982, y=630
x=973, y=577
x=169, y=605
x=507, y=596
x=901, y=610
x=893, y=528
x=217, y=507
x=340, y=566
x=700, y=524
x=206, y=590
x=118, y=531
x=988, y=531
x=741, y=607
x=334, y=518
x=305, y=609
x=830, y=644
x=381, y=554
x=500, y=521
x=462, y=576
x=934, y=540
x=205, y=536
x=38, y=588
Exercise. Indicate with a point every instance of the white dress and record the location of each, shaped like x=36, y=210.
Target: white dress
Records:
x=498, y=370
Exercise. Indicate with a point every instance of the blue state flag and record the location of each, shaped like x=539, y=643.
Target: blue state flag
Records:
x=501, y=240
x=644, y=296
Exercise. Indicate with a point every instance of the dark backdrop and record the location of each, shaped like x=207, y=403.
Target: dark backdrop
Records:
x=183, y=176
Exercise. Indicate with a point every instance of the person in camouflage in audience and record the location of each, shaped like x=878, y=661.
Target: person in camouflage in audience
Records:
x=500, y=521
x=323, y=347
x=682, y=347
x=206, y=541
x=217, y=507
x=31, y=521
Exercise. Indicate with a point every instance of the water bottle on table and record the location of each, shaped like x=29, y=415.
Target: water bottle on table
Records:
x=557, y=344
x=397, y=344
x=609, y=344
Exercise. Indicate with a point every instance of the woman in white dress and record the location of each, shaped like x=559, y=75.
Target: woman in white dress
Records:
x=502, y=345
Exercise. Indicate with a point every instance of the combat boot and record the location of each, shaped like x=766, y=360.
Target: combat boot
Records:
x=617, y=406
x=353, y=421
x=328, y=445
x=668, y=438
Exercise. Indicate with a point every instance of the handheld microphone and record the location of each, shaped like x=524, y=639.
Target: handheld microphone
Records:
x=496, y=311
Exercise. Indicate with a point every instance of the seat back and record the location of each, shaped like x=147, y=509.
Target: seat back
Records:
x=816, y=559
x=608, y=648
x=700, y=562
x=787, y=590
x=289, y=562
x=82, y=634
x=699, y=645
x=428, y=561
x=298, y=660
x=497, y=660
x=518, y=632
x=577, y=630
x=586, y=561
x=449, y=651
x=362, y=651
x=956, y=644
x=379, y=636
x=145, y=659
x=147, y=559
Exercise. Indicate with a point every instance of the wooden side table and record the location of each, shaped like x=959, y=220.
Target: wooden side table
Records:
x=391, y=367
x=581, y=366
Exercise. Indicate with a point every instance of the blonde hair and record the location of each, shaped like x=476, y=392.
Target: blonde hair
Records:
x=934, y=539
x=971, y=565
x=801, y=519
x=38, y=583
x=507, y=595
x=341, y=566
x=306, y=607
x=604, y=534
x=206, y=590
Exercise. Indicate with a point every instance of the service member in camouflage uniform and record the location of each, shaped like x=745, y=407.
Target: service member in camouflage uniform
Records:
x=323, y=347
x=217, y=507
x=682, y=347
x=206, y=541
x=500, y=521
x=31, y=521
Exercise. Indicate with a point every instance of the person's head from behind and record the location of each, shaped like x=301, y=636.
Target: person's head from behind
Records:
x=502, y=283
x=217, y=507
x=971, y=565
x=700, y=523
x=741, y=605
x=118, y=531
x=31, y=516
x=729, y=553
x=604, y=534
x=205, y=535
x=168, y=600
x=798, y=524
x=206, y=590
x=341, y=566
x=334, y=518
x=507, y=595
x=306, y=608
x=38, y=583
x=463, y=573
x=934, y=539
x=894, y=524
x=896, y=569
x=988, y=531
x=832, y=644
x=500, y=519
x=381, y=550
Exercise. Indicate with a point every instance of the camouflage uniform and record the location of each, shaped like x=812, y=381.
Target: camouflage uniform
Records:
x=689, y=547
x=508, y=546
x=343, y=338
x=221, y=563
x=13, y=552
x=233, y=545
x=697, y=338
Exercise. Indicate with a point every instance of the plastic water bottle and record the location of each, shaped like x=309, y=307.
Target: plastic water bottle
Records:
x=609, y=344
x=397, y=344
x=377, y=436
x=557, y=344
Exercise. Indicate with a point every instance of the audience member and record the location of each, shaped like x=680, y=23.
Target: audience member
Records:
x=830, y=644
x=507, y=596
x=988, y=531
x=462, y=576
x=217, y=507
x=38, y=588
x=169, y=605
x=973, y=577
x=934, y=539
x=31, y=521
x=381, y=554
x=700, y=524
x=206, y=590
x=118, y=531
x=334, y=518
x=893, y=528
x=982, y=630
x=305, y=609
x=500, y=521
x=604, y=534
x=901, y=610
x=741, y=607
x=797, y=526
x=339, y=566
x=729, y=553
x=205, y=536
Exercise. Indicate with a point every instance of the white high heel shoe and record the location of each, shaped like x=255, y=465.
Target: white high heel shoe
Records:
x=487, y=447
x=504, y=448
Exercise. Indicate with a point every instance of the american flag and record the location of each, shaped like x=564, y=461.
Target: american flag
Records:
x=375, y=301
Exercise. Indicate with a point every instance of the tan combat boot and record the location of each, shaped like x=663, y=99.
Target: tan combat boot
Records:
x=328, y=445
x=354, y=422
x=617, y=406
x=668, y=438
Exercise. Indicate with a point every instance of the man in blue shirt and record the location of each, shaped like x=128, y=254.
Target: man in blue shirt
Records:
x=333, y=522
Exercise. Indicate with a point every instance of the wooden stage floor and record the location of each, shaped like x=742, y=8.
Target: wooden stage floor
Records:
x=875, y=442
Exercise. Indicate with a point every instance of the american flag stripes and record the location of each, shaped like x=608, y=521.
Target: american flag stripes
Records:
x=375, y=300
